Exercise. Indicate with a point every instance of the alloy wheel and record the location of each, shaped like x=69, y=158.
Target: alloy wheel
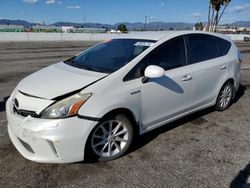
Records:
x=225, y=96
x=110, y=138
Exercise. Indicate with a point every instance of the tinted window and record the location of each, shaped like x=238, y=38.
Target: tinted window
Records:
x=168, y=56
x=224, y=46
x=136, y=72
x=110, y=56
x=202, y=48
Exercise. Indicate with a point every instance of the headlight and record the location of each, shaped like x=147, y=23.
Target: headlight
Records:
x=67, y=107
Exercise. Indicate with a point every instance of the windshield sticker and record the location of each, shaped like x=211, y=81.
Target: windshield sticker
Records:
x=144, y=44
x=107, y=41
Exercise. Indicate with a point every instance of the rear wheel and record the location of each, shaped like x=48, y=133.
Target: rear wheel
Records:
x=111, y=138
x=225, y=97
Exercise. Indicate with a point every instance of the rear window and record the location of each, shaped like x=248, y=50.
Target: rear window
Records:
x=202, y=48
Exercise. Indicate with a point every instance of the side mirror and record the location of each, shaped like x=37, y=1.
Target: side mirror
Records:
x=153, y=71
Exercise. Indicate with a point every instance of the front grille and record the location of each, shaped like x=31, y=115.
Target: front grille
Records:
x=26, y=145
x=25, y=113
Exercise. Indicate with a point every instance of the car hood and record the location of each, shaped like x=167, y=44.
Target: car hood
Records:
x=57, y=80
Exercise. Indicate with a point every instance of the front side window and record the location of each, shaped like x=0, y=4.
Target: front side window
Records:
x=110, y=56
x=169, y=55
x=202, y=48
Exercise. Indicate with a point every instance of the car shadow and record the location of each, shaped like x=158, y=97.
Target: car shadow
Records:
x=144, y=139
x=3, y=103
x=167, y=83
x=239, y=93
x=241, y=180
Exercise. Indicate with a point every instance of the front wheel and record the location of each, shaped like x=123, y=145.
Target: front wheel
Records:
x=111, y=138
x=225, y=97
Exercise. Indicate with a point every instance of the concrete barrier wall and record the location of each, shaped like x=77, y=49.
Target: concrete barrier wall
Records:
x=8, y=36
x=237, y=37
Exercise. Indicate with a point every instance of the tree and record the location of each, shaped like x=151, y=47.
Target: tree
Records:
x=214, y=15
x=199, y=26
x=122, y=28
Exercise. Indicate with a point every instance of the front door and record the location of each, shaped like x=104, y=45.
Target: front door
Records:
x=169, y=96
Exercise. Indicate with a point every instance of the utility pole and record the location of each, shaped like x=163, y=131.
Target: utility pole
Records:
x=84, y=20
x=149, y=20
x=43, y=24
x=145, y=24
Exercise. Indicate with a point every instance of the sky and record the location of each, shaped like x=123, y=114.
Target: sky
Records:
x=116, y=11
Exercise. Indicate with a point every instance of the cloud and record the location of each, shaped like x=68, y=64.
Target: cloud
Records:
x=30, y=1
x=50, y=2
x=74, y=7
x=240, y=8
x=162, y=4
x=196, y=15
x=59, y=2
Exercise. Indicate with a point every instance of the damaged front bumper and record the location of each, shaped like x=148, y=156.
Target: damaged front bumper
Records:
x=48, y=141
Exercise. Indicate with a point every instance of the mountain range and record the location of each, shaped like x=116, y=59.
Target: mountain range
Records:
x=130, y=26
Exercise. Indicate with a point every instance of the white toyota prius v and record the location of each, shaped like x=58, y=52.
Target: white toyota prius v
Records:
x=95, y=103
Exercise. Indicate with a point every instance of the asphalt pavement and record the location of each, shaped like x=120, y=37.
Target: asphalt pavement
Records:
x=205, y=149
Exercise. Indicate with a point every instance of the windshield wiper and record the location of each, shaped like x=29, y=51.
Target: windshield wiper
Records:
x=70, y=60
x=74, y=63
x=84, y=67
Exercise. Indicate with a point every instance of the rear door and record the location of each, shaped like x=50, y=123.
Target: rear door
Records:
x=208, y=68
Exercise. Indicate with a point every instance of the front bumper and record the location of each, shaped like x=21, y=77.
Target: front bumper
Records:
x=48, y=141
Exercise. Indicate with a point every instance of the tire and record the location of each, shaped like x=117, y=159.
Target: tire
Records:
x=110, y=139
x=225, y=97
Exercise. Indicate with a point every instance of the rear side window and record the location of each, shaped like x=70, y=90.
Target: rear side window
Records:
x=223, y=45
x=202, y=47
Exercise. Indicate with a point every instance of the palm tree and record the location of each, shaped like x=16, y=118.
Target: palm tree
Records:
x=225, y=5
x=208, y=19
x=216, y=5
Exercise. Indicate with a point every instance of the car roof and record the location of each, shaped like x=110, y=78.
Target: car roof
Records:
x=158, y=35
x=147, y=35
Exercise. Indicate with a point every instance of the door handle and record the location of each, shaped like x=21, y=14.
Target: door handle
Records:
x=223, y=67
x=187, y=78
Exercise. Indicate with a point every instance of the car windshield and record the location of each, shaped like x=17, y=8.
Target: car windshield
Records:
x=109, y=56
